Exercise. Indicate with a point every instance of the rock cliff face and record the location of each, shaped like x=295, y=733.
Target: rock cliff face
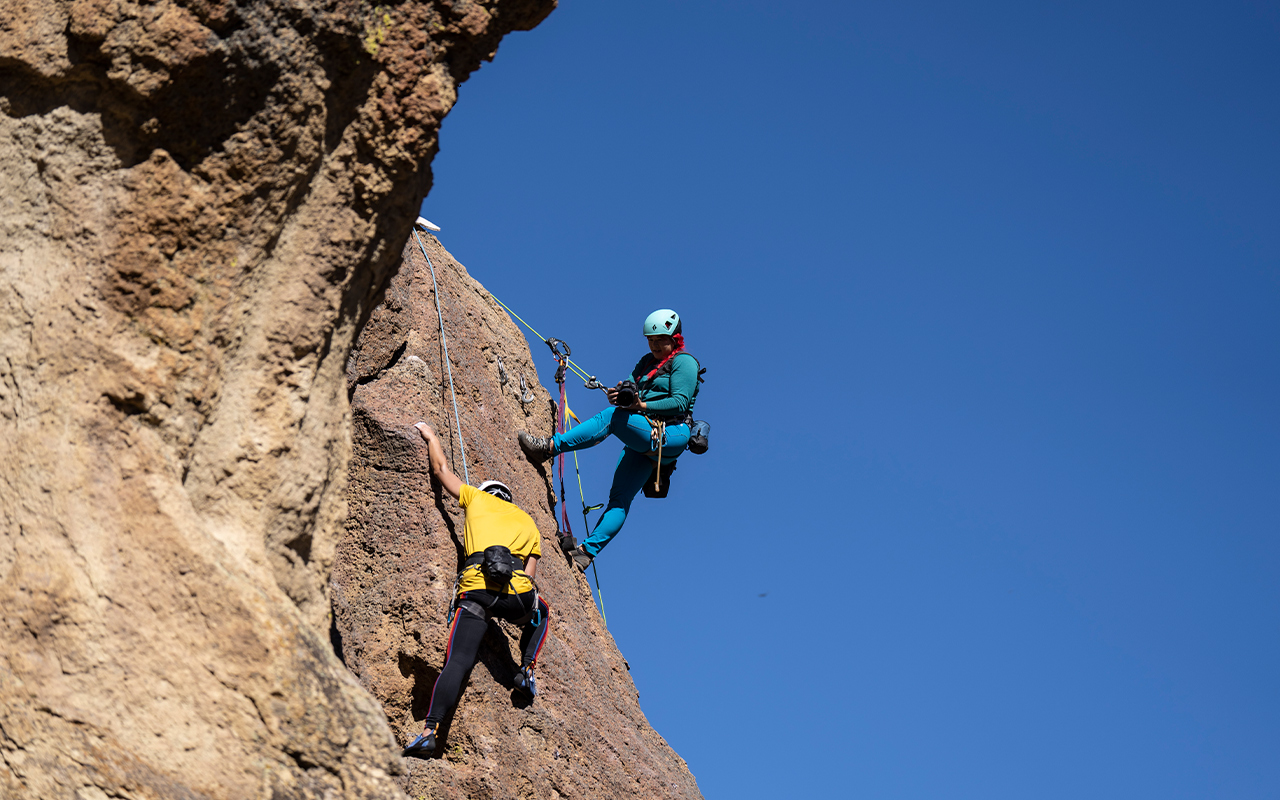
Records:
x=200, y=201
x=584, y=736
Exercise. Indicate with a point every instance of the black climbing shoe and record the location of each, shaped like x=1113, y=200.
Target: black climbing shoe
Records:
x=525, y=683
x=422, y=747
x=538, y=448
x=567, y=543
x=581, y=559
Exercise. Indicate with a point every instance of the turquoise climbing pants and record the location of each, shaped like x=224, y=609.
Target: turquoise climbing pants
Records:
x=634, y=465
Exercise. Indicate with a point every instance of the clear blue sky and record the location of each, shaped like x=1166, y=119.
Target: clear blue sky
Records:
x=989, y=294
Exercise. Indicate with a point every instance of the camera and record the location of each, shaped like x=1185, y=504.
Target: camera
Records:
x=626, y=395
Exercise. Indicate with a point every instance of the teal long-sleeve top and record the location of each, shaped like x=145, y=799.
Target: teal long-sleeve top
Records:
x=669, y=394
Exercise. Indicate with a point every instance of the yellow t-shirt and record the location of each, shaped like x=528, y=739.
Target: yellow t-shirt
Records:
x=493, y=521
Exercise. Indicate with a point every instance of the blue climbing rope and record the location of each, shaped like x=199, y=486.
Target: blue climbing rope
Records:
x=445, y=343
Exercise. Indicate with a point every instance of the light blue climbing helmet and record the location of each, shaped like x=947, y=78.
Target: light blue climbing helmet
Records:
x=663, y=322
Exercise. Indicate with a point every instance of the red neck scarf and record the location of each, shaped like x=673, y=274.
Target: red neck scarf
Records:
x=679, y=340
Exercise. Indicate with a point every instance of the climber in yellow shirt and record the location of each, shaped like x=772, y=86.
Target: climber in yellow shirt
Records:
x=502, y=544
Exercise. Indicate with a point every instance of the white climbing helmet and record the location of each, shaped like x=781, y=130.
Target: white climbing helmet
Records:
x=496, y=488
x=663, y=322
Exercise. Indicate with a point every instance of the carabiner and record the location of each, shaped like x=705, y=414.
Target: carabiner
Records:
x=555, y=345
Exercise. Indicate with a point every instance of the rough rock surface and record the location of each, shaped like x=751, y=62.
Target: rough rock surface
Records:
x=584, y=736
x=200, y=201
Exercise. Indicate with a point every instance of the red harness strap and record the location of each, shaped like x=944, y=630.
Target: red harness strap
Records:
x=679, y=340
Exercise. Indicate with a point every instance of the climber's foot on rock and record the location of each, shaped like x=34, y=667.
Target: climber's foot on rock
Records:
x=525, y=683
x=581, y=558
x=537, y=448
x=423, y=746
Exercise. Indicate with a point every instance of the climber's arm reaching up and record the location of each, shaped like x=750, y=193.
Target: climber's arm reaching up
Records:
x=451, y=483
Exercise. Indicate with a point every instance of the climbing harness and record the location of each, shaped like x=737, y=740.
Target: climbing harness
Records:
x=448, y=367
x=498, y=565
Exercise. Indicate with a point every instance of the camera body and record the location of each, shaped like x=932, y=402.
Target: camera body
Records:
x=627, y=394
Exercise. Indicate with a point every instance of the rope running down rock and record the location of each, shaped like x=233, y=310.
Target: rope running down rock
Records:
x=445, y=343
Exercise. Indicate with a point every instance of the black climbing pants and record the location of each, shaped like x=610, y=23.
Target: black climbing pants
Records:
x=465, y=637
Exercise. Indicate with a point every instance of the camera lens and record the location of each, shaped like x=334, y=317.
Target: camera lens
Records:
x=626, y=395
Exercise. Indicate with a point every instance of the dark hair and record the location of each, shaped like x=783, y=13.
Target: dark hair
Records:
x=678, y=338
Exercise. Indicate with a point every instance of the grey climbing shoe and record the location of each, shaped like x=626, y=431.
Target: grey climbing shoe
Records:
x=581, y=559
x=423, y=746
x=538, y=448
x=525, y=683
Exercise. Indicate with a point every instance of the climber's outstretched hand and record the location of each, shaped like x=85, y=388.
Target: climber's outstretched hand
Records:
x=451, y=483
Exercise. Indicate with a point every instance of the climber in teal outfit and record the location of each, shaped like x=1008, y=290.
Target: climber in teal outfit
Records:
x=654, y=410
